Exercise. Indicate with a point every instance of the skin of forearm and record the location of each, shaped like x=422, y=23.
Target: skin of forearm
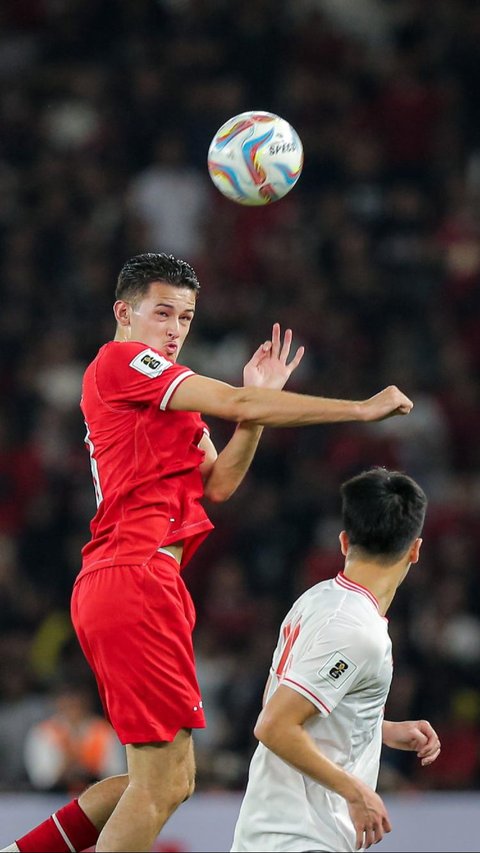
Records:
x=266, y=406
x=398, y=735
x=270, y=407
x=295, y=746
x=386, y=732
x=233, y=462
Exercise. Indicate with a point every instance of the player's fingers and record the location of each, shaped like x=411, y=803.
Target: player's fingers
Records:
x=287, y=343
x=260, y=352
x=431, y=758
x=359, y=839
x=431, y=744
x=387, y=826
x=276, y=340
x=425, y=727
x=421, y=741
x=297, y=359
x=427, y=750
x=433, y=747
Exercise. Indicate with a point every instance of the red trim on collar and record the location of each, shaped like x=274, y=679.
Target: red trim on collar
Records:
x=347, y=583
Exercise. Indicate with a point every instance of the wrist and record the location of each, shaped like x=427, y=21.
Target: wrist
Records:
x=360, y=412
x=348, y=786
x=386, y=731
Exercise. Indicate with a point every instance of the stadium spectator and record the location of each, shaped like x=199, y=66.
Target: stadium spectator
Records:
x=73, y=746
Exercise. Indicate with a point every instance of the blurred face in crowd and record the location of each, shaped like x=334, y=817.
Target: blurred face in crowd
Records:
x=161, y=319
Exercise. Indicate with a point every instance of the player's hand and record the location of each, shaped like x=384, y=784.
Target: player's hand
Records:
x=369, y=816
x=268, y=366
x=414, y=735
x=391, y=401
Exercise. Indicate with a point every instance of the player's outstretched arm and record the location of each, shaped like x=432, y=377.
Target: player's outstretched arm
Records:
x=268, y=368
x=271, y=407
x=281, y=728
x=414, y=735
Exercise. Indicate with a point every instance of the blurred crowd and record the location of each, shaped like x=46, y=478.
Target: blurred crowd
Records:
x=107, y=109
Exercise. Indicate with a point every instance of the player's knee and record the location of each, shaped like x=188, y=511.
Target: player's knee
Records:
x=169, y=796
x=119, y=784
x=182, y=788
x=190, y=789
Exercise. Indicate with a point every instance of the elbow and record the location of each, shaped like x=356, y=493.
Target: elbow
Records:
x=265, y=730
x=258, y=732
x=217, y=489
x=218, y=496
x=241, y=406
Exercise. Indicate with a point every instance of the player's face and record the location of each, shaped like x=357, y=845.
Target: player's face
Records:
x=162, y=319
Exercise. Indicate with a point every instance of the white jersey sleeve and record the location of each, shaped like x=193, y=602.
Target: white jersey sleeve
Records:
x=325, y=666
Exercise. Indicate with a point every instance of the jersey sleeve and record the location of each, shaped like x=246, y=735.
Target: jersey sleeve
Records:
x=133, y=373
x=338, y=659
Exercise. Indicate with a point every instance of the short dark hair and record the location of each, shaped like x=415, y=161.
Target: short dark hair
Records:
x=139, y=272
x=383, y=512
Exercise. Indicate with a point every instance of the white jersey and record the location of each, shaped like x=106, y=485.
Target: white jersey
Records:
x=335, y=650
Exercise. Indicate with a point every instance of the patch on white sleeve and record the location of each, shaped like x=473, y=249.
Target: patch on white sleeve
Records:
x=150, y=363
x=337, y=669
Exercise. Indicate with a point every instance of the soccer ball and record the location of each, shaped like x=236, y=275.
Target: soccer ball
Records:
x=255, y=158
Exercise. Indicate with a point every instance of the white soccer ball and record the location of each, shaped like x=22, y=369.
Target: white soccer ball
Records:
x=255, y=158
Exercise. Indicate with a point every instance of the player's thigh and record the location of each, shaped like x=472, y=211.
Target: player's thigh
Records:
x=150, y=764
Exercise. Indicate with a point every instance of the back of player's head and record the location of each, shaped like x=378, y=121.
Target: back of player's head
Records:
x=383, y=512
x=139, y=272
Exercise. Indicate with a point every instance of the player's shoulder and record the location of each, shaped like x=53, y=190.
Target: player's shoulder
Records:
x=146, y=360
x=323, y=590
x=126, y=351
x=344, y=610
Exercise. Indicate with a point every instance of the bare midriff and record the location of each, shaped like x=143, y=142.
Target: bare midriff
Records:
x=175, y=549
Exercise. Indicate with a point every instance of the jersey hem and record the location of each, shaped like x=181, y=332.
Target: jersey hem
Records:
x=202, y=529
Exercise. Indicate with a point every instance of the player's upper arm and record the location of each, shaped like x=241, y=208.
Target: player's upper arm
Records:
x=284, y=709
x=209, y=396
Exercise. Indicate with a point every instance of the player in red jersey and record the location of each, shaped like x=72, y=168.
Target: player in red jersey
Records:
x=152, y=462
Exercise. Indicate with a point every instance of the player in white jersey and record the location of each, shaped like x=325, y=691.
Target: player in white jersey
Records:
x=312, y=778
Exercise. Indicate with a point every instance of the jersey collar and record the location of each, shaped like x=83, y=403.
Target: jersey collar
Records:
x=346, y=583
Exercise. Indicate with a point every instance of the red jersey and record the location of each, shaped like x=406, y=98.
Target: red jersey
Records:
x=144, y=457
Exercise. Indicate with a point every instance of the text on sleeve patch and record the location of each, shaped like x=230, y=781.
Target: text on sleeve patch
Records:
x=337, y=669
x=150, y=363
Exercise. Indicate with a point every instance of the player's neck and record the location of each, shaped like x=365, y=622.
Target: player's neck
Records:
x=121, y=334
x=381, y=581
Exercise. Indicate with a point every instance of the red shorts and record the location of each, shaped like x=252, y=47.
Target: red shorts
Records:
x=134, y=624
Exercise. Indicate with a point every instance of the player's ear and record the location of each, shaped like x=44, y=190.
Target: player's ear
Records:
x=344, y=543
x=415, y=551
x=122, y=311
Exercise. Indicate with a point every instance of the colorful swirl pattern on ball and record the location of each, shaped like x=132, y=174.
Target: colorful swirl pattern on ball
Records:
x=228, y=174
x=268, y=193
x=224, y=138
x=250, y=149
x=288, y=175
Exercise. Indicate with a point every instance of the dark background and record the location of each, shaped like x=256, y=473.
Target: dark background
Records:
x=106, y=113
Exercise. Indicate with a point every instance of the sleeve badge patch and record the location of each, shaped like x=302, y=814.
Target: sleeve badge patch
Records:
x=337, y=669
x=150, y=363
